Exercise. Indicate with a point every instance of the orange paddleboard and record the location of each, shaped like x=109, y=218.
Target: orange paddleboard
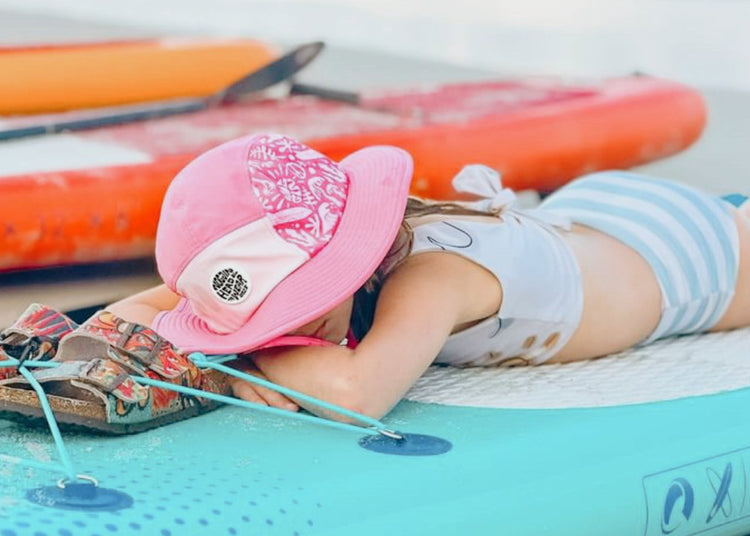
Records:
x=56, y=78
x=96, y=195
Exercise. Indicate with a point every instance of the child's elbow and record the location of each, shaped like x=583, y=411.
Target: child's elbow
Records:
x=352, y=396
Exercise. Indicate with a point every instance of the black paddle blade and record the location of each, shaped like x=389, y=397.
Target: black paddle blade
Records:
x=277, y=71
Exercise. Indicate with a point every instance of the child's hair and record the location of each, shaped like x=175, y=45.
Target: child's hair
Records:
x=366, y=297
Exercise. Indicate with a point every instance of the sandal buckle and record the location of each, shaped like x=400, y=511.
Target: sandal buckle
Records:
x=31, y=346
x=22, y=350
x=92, y=371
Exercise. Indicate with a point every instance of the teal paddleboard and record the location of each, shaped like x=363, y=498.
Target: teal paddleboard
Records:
x=677, y=467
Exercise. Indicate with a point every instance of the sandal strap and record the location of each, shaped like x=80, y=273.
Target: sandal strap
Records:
x=137, y=348
x=112, y=378
x=141, y=342
x=103, y=375
x=35, y=335
x=39, y=326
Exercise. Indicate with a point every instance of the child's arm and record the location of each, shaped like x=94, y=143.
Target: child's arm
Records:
x=419, y=306
x=141, y=308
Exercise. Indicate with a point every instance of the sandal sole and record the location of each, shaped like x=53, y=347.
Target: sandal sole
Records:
x=22, y=405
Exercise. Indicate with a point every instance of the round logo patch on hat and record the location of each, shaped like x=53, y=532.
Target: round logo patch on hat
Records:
x=230, y=285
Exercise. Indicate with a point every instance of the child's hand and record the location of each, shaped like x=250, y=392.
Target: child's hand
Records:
x=256, y=393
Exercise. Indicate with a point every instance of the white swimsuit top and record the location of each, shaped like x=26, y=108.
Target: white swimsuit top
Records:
x=540, y=277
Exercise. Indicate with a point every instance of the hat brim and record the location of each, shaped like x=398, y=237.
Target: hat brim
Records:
x=379, y=179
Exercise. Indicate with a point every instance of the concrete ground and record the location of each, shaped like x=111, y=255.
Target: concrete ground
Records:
x=716, y=162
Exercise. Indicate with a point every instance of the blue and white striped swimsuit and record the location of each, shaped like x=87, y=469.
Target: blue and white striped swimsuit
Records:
x=689, y=239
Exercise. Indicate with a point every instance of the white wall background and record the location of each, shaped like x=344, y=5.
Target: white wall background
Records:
x=703, y=42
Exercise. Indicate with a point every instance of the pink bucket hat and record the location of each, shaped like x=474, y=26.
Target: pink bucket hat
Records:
x=262, y=234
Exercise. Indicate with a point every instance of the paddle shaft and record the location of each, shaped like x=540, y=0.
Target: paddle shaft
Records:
x=325, y=93
x=126, y=114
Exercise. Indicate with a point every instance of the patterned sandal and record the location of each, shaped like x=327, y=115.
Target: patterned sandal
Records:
x=95, y=387
x=34, y=336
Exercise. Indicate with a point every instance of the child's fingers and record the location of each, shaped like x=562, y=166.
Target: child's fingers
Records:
x=245, y=391
x=276, y=399
x=261, y=395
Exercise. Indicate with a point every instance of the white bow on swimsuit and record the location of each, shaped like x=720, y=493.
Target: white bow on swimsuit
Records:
x=486, y=183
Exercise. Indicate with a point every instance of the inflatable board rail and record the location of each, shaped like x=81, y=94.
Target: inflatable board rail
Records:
x=95, y=195
x=55, y=78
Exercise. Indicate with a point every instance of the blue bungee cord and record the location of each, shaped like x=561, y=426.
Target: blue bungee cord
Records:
x=201, y=360
x=66, y=466
x=82, y=492
x=215, y=362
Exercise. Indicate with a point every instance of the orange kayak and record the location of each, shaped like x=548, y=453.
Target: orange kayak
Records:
x=96, y=195
x=55, y=78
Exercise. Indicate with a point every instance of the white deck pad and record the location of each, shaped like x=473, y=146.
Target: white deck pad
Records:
x=665, y=370
x=63, y=152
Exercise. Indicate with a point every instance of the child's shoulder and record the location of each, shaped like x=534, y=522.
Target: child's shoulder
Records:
x=419, y=221
x=473, y=290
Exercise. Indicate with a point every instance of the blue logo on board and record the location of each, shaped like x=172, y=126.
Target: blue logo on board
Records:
x=702, y=497
x=678, y=505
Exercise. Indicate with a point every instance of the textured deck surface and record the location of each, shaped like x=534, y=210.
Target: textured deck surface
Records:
x=666, y=370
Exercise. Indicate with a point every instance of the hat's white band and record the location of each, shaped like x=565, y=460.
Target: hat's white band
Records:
x=230, y=278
